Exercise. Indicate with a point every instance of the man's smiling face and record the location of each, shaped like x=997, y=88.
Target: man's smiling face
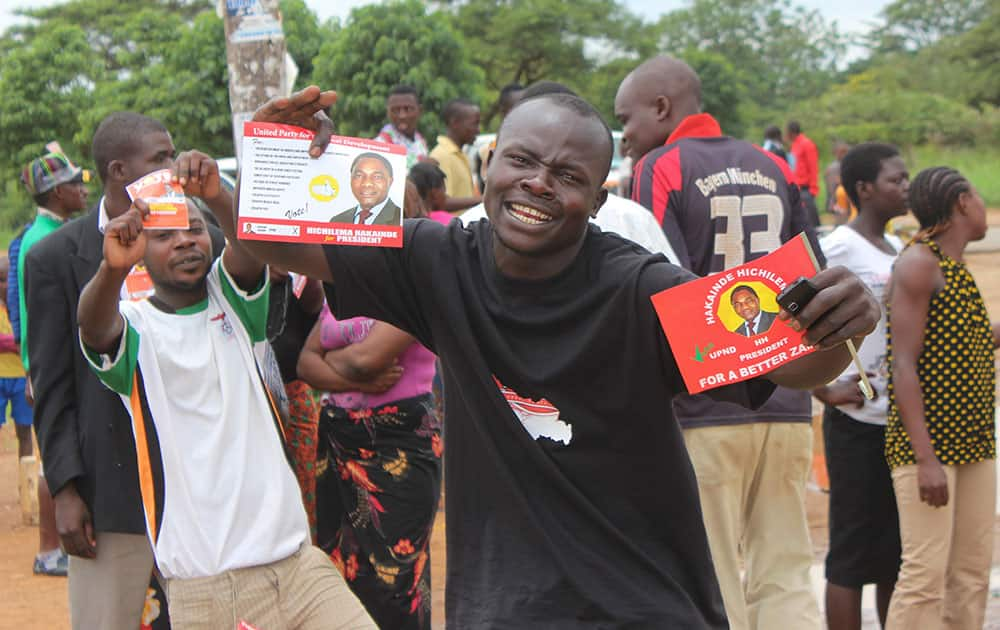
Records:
x=370, y=181
x=746, y=304
x=543, y=185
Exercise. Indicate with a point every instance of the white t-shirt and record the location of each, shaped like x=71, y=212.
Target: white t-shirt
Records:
x=218, y=492
x=846, y=247
x=622, y=216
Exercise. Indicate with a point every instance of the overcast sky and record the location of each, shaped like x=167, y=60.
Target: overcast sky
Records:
x=853, y=16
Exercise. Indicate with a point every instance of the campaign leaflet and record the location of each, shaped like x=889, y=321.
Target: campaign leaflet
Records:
x=167, y=203
x=724, y=328
x=351, y=195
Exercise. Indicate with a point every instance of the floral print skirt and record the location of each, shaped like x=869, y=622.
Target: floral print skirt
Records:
x=378, y=480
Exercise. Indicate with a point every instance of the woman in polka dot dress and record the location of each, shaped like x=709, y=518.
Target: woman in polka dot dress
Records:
x=940, y=440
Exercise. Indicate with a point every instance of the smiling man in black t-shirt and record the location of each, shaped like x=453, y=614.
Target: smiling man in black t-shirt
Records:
x=571, y=500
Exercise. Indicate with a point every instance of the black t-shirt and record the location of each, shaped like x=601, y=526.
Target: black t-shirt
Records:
x=288, y=327
x=595, y=522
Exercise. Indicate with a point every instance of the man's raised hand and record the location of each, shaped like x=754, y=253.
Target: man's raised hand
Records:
x=124, y=239
x=303, y=109
x=198, y=174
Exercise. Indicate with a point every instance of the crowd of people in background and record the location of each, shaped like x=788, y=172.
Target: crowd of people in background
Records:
x=258, y=432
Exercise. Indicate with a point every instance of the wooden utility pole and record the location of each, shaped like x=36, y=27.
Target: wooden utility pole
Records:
x=256, y=56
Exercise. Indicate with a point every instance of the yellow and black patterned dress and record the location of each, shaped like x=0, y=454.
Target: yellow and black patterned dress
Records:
x=956, y=373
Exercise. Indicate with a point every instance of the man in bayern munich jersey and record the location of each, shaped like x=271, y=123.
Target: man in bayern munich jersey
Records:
x=723, y=202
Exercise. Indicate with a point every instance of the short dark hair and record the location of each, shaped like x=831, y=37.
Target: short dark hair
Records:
x=426, y=176
x=772, y=133
x=541, y=88
x=933, y=195
x=403, y=88
x=368, y=155
x=117, y=138
x=863, y=163
x=566, y=98
x=742, y=287
x=454, y=108
x=794, y=127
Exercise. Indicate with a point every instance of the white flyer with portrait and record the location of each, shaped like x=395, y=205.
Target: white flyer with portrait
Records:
x=351, y=195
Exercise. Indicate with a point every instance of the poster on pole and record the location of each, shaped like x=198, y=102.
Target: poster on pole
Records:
x=724, y=328
x=351, y=195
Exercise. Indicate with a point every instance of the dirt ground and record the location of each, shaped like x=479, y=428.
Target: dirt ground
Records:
x=40, y=603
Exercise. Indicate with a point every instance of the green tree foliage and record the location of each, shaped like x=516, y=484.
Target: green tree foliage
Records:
x=304, y=36
x=780, y=52
x=914, y=24
x=383, y=45
x=525, y=41
x=75, y=62
x=978, y=52
x=45, y=82
x=722, y=93
x=187, y=90
x=865, y=108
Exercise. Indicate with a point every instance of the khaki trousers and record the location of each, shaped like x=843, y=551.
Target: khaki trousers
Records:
x=109, y=592
x=752, y=481
x=947, y=551
x=302, y=592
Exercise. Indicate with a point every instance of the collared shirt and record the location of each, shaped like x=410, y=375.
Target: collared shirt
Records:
x=756, y=324
x=374, y=213
x=45, y=212
x=102, y=216
x=458, y=174
x=416, y=147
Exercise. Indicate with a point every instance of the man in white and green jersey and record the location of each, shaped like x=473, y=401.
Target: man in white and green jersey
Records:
x=222, y=506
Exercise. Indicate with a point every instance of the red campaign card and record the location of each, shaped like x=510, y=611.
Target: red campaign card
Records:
x=139, y=284
x=167, y=203
x=724, y=329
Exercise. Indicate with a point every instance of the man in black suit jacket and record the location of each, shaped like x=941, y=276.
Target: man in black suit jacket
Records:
x=84, y=434
x=371, y=177
x=747, y=305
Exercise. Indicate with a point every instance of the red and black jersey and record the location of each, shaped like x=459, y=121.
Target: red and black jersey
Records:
x=722, y=202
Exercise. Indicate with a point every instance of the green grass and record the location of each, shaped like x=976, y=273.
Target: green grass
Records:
x=980, y=165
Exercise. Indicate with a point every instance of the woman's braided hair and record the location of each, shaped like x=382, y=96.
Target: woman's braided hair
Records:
x=933, y=195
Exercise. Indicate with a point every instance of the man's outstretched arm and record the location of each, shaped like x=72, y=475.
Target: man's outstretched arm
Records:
x=101, y=324
x=303, y=109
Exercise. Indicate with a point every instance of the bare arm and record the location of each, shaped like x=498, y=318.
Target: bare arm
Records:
x=304, y=109
x=914, y=280
x=311, y=299
x=101, y=324
x=456, y=204
x=199, y=175
x=320, y=375
x=367, y=358
x=843, y=309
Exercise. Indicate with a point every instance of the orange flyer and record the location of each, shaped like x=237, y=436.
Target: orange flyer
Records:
x=138, y=284
x=167, y=203
x=724, y=328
